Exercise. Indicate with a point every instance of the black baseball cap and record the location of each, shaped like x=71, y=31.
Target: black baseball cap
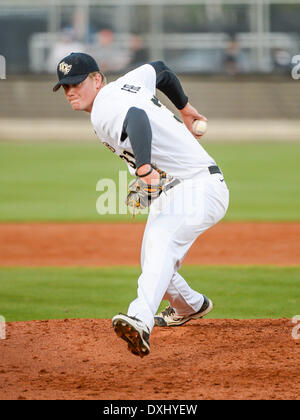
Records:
x=74, y=68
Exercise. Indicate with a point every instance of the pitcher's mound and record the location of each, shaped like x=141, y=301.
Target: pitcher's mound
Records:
x=205, y=359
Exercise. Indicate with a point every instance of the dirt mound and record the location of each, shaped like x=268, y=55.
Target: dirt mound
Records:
x=205, y=359
x=98, y=244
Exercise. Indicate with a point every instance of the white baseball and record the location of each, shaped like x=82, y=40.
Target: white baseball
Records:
x=199, y=127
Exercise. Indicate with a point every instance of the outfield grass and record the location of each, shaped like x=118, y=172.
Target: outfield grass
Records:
x=57, y=182
x=58, y=293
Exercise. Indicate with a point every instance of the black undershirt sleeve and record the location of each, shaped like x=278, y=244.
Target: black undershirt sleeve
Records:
x=169, y=84
x=137, y=127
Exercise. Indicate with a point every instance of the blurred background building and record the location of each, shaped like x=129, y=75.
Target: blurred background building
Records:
x=194, y=36
x=239, y=50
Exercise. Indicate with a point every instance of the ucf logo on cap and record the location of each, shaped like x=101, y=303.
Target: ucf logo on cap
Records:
x=64, y=67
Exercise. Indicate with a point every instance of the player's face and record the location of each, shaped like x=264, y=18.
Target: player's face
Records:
x=81, y=96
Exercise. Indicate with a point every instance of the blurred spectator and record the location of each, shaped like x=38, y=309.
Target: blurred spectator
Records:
x=79, y=24
x=281, y=60
x=231, y=56
x=63, y=47
x=139, y=54
x=111, y=55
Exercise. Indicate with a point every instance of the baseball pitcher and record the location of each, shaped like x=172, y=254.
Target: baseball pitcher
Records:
x=175, y=177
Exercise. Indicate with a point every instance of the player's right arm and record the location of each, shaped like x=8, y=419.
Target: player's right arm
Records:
x=168, y=83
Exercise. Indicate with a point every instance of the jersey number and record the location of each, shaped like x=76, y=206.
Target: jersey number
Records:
x=157, y=103
x=129, y=158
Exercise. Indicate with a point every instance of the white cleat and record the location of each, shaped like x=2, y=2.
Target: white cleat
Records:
x=168, y=317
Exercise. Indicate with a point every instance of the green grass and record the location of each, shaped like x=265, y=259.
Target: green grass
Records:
x=57, y=182
x=58, y=293
x=264, y=180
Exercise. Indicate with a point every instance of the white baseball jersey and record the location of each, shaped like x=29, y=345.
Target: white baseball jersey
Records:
x=176, y=218
x=174, y=149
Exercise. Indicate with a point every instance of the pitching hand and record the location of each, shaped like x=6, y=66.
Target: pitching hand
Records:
x=189, y=114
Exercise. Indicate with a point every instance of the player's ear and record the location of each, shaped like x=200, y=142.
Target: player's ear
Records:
x=99, y=80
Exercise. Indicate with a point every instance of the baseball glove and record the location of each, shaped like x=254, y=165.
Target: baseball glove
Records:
x=141, y=194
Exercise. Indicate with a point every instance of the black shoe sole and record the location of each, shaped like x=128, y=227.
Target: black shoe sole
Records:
x=132, y=336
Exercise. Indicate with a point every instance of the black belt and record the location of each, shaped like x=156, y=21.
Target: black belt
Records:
x=214, y=170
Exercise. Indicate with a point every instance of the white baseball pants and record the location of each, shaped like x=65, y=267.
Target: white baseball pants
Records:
x=175, y=221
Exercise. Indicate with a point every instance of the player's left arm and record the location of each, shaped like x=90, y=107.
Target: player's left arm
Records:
x=168, y=83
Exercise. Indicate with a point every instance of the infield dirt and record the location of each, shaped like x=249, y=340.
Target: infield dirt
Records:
x=205, y=359
x=99, y=244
